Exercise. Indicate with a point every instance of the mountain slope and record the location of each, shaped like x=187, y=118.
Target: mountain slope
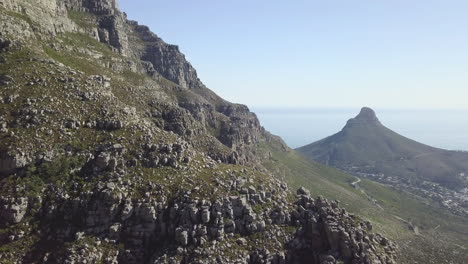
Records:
x=365, y=143
x=113, y=151
x=441, y=236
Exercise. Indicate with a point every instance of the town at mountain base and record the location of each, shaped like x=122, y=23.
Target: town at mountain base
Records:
x=366, y=148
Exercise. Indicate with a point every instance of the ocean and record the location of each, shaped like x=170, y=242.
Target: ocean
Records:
x=446, y=129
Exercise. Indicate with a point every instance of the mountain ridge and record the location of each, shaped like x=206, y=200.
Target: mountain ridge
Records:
x=113, y=151
x=152, y=56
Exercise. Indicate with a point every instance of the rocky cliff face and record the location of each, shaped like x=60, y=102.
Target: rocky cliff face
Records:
x=113, y=151
x=103, y=21
x=100, y=7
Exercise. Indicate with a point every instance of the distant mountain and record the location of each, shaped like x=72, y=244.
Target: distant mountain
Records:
x=367, y=146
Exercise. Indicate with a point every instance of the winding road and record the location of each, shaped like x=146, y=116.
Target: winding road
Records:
x=356, y=186
x=354, y=183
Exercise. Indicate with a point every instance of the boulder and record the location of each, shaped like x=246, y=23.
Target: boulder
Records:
x=181, y=237
x=10, y=163
x=12, y=210
x=303, y=191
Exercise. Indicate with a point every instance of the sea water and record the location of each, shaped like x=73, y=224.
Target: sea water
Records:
x=446, y=129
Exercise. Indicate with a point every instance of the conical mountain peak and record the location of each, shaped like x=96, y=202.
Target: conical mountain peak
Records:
x=373, y=148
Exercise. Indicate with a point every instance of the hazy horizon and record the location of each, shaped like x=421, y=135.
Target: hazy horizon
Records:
x=301, y=126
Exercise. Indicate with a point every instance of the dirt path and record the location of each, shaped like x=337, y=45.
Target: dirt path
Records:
x=424, y=154
x=356, y=186
x=411, y=225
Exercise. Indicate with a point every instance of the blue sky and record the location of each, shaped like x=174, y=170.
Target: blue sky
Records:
x=333, y=53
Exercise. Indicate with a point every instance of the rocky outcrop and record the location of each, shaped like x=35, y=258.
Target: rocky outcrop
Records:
x=10, y=163
x=98, y=7
x=328, y=228
x=366, y=116
x=44, y=17
x=169, y=61
x=165, y=230
x=12, y=210
x=325, y=231
x=243, y=127
x=112, y=31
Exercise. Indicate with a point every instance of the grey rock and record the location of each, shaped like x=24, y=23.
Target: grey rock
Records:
x=10, y=163
x=303, y=191
x=181, y=237
x=205, y=215
x=12, y=210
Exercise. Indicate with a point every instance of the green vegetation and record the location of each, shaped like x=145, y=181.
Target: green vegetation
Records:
x=259, y=208
x=85, y=41
x=94, y=50
x=17, y=15
x=59, y=172
x=416, y=210
x=133, y=77
x=18, y=248
x=167, y=83
x=319, y=179
x=82, y=19
x=76, y=63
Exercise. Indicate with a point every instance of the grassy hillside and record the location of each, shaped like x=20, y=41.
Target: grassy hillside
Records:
x=423, y=232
